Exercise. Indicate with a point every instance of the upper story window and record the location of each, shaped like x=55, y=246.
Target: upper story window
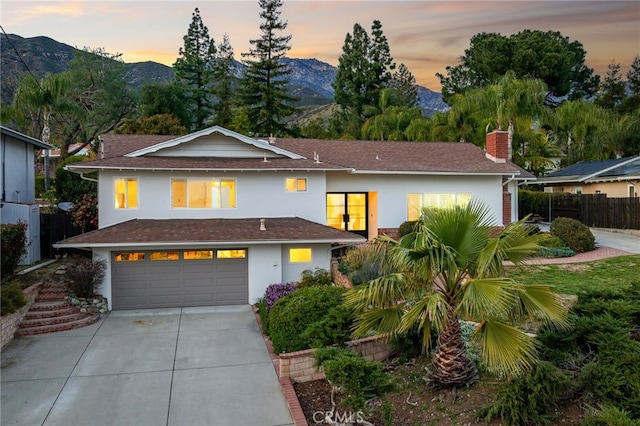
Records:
x=417, y=202
x=203, y=193
x=126, y=193
x=295, y=184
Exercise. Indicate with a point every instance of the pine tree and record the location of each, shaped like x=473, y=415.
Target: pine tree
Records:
x=193, y=69
x=405, y=84
x=364, y=69
x=612, y=88
x=224, y=83
x=633, y=76
x=266, y=77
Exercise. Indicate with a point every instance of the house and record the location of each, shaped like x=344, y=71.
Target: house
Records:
x=17, y=183
x=618, y=178
x=214, y=217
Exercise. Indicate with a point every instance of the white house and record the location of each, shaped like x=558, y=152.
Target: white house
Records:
x=214, y=217
x=17, y=183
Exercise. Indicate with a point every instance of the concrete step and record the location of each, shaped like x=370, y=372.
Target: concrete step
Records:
x=88, y=319
x=39, y=322
x=59, y=311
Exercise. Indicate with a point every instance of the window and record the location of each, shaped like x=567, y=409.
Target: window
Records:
x=129, y=257
x=203, y=193
x=198, y=254
x=164, y=255
x=231, y=254
x=632, y=191
x=295, y=184
x=126, y=193
x=417, y=202
x=577, y=190
x=300, y=255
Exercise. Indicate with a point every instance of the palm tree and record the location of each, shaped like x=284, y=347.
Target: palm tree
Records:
x=451, y=268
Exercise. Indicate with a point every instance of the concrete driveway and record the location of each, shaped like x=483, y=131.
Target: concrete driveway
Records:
x=190, y=366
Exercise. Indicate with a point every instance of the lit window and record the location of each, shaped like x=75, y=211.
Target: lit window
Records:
x=577, y=190
x=164, y=255
x=126, y=193
x=300, y=255
x=296, y=184
x=417, y=202
x=198, y=254
x=129, y=257
x=203, y=193
x=231, y=254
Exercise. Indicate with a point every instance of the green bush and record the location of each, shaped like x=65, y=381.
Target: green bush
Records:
x=13, y=238
x=406, y=228
x=70, y=186
x=551, y=241
x=528, y=399
x=261, y=308
x=85, y=275
x=291, y=315
x=11, y=298
x=576, y=235
x=609, y=415
x=315, y=278
x=357, y=378
x=552, y=252
x=333, y=329
x=39, y=185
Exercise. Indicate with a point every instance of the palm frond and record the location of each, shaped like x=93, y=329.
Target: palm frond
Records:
x=379, y=321
x=429, y=312
x=505, y=349
x=486, y=297
x=540, y=301
x=381, y=292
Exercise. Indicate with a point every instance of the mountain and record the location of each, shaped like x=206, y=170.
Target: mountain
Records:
x=311, y=79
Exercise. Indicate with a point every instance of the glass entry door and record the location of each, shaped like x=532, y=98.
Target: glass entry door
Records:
x=348, y=211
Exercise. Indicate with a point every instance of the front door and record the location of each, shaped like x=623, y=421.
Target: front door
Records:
x=348, y=211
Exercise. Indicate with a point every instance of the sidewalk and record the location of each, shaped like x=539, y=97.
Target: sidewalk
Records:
x=590, y=256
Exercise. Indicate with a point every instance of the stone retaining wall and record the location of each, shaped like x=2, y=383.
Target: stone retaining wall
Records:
x=9, y=323
x=298, y=366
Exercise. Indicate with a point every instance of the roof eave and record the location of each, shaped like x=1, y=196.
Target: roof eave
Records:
x=190, y=244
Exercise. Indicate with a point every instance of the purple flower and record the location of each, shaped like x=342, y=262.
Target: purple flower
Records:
x=277, y=291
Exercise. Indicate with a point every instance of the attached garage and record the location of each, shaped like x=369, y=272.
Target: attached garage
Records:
x=179, y=278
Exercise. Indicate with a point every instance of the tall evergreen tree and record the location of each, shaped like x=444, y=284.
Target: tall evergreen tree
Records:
x=405, y=84
x=224, y=83
x=633, y=76
x=612, y=88
x=364, y=69
x=265, y=78
x=193, y=69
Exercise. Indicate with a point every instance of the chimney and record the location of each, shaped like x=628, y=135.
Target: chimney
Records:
x=262, y=227
x=497, y=146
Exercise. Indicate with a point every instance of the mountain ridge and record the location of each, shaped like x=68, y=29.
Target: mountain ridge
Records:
x=310, y=80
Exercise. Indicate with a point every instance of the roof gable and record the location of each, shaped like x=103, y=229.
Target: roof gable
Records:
x=24, y=138
x=214, y=142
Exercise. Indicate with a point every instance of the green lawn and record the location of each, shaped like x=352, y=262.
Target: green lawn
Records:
x=616, y=273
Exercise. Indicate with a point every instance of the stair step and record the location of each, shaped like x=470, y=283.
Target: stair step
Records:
x=51, y=313
x=50, y=306
x=83, y=322
x=39, y=322
x=51, y=297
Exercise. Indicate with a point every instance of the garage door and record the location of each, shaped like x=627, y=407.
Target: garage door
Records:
x=179, y=278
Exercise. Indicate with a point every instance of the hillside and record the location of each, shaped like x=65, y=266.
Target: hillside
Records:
x=310, y=79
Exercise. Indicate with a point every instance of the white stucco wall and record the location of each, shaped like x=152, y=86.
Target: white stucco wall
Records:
x=265, y=267
x=393, y=190
x=258, y=194
x=17, y=178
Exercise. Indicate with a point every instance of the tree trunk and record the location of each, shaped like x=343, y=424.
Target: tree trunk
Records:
x=451, y=365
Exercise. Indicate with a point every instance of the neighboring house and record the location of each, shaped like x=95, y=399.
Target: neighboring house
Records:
x=17, y=183
x=214, y=217
x=619, y=178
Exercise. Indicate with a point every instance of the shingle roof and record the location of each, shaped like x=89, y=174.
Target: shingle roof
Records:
x=594, y=170
x=24, y=138
x=359, y=156
x=140, y=232
x=585, y=168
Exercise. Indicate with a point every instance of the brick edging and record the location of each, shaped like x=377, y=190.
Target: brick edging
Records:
x=9, y=323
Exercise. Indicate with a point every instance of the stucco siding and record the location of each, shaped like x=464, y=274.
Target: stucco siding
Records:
x=18, y=177
x=265, y=267
x=320, y=258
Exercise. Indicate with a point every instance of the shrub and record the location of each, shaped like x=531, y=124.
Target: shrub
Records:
x=333, y=329
x=261, y=309
x=357, y=378
x=551, y=252
x=576, y=235
x=363, y=263
x=527, y=399
x=12, y=246
x=295, y=312
x=317, y=277
x=551, y=241
x=85, y=275
x=406, y=228
x=70, y=186
x=276, y=291
x=609, y=415
x=11, y=297
x=84, y=214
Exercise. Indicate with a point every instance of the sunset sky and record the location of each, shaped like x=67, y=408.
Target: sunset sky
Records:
x=424, y=35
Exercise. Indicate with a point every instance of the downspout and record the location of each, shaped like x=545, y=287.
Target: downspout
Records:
x=83, y=177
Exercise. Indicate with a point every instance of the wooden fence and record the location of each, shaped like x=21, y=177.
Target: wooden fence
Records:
x=593, y=210
x=55, y=227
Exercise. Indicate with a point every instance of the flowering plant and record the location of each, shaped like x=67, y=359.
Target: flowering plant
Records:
x=85, y=213
x=277, y=291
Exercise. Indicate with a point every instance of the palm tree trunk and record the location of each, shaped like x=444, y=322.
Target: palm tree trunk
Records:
x=451, y=365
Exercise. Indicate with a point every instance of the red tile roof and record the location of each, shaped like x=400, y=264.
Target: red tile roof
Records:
x=359, y=156
x=142, y=232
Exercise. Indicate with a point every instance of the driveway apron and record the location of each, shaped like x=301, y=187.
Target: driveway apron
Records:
x=189, y=366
